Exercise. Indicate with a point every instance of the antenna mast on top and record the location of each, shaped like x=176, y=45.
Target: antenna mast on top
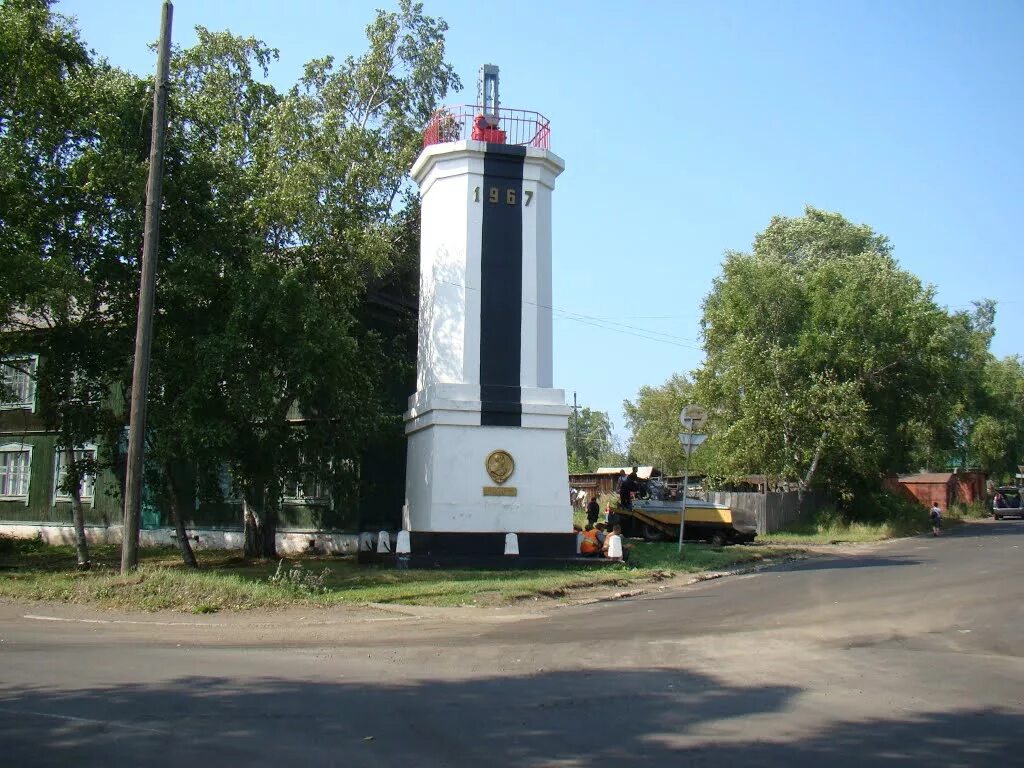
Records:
x=487, y=94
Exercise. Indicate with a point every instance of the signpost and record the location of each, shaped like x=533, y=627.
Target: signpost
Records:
x=691, y=417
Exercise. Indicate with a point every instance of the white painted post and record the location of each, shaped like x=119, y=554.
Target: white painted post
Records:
x=402, y=546
x=383, y=542
x=511, y=544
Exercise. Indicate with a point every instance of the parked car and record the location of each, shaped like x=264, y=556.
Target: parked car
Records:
x=1006, y=502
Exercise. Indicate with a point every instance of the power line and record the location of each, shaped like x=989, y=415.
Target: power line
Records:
x=602, y=323
x=573, y=315
x=637, y=333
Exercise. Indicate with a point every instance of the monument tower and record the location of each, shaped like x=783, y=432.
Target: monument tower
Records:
x=486, y=431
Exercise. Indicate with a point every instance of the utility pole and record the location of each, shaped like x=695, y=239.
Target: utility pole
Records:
x=147, y=289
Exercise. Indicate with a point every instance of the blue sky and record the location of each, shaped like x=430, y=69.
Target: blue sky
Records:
x=686, y=126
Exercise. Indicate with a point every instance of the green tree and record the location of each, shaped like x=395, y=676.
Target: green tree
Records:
x=997, y=435
x=42, y=126
x=284, y=214
x=824, y=359
x=283, y=211
x=59, y=112
x=653, y=421
x=589, y=440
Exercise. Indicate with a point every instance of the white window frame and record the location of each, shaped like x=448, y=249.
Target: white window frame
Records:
x=229, y=493
x=89, y=481
x=292, y=484
x=19, y=448
x=28, y=402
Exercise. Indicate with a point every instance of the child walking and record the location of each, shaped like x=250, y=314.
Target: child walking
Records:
x=935, y=515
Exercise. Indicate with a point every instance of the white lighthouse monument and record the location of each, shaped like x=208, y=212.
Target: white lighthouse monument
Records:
x=486, y=430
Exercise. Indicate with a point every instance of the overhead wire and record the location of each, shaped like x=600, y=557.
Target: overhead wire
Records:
x=602, y=323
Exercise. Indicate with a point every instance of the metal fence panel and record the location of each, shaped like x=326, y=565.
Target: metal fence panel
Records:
x=774, y=511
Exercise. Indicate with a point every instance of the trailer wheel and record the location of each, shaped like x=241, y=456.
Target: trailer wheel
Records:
x=653, y=534
x=719, y=539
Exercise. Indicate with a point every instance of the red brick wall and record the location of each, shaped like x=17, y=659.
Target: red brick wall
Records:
x=932, y=493
x=970, y=487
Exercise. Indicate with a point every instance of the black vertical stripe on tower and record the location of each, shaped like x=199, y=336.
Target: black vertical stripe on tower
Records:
x=501, y=286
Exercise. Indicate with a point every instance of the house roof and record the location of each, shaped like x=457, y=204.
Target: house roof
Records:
x=644, y=473
x=926, y=478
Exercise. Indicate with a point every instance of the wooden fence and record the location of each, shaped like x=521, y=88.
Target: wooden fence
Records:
x=775, y=511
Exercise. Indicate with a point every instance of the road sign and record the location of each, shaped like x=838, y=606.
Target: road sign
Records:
x=690, y=439
x=692, y=417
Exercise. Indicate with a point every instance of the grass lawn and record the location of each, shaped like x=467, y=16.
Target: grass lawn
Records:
x=832, y=531
x=30, y=570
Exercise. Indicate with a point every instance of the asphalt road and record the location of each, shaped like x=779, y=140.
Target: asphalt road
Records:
x=906, y=653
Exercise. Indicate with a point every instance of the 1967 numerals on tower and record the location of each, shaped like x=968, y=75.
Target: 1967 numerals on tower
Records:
x=507, y=195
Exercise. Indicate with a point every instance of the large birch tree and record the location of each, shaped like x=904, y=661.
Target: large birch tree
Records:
x=826, y=361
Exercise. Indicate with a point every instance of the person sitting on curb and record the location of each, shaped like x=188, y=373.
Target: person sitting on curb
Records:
x=616, y=533
x=590, y=546
x=602, y=533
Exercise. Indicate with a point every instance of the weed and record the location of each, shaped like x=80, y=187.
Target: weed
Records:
x=299, y=579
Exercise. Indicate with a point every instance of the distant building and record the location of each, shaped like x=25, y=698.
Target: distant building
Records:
x=942, y=488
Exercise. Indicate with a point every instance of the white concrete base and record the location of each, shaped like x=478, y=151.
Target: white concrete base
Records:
x=446, y=477
x=288, y=542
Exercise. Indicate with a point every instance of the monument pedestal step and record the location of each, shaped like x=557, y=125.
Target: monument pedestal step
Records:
x=482, y=562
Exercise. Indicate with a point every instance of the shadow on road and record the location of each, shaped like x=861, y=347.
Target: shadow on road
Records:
x=601, y=717
x=979, y=528
x=832, y=562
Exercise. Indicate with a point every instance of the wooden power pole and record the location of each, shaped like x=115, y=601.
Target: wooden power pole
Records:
x=147, y=289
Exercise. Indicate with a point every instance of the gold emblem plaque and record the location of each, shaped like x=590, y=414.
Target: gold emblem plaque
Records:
x=500, y=466
x=500, y=490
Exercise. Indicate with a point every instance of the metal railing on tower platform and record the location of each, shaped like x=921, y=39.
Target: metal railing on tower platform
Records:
x=508, y=126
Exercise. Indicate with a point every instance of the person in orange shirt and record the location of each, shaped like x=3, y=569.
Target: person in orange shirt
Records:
x=590, y=546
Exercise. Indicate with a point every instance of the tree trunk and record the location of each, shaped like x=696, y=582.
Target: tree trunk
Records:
x=187, y=555
x=260, y=530
x=805, y=483
x=78, y=517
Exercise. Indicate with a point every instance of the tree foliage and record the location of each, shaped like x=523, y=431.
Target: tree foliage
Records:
x=653, y=420
x=590, y=441
x=284, y=215
x=825, y=361
x=285, y=210
x=61, y=111
x=997, y=434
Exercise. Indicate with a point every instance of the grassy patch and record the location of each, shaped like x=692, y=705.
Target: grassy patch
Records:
x=225, y=581
x=833, y=533
x=887, y=517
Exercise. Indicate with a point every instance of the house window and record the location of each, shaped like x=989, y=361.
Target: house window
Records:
x=306, y=486
x=229, y=491
x=87, y=489
x=18, y=382
x=15, y=470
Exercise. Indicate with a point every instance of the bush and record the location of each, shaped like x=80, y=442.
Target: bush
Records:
x=299, y=579
x=880, y=506
x=12, y=546
x=976, y=510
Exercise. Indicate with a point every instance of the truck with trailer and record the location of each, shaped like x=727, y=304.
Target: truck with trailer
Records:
x=656, y=516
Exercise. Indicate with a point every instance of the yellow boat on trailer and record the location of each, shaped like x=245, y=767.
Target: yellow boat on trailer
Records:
x=705, y=521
